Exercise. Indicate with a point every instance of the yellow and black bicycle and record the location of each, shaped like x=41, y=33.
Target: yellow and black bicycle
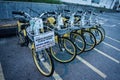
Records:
x=27, y=37
x=64, y=50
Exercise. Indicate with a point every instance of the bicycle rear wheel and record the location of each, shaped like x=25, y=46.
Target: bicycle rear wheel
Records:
x=43, y=62
x=21, y=37
x=64, y=51
x=21, y=34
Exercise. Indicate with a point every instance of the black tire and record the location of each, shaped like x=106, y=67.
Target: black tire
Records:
x=79, y=41
x=41, y=62
x=22, y=38
x=98, y=35
x=60, y=51
x=89, y=38
x=103, y=31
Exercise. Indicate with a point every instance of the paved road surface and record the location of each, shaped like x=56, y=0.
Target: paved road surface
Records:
x=102, y=63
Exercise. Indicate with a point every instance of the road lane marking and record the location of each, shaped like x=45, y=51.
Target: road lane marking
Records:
x=113, y=26
x=1, y=73
x=113, y=39
x=103, y=75
x=111, y=46
x=55, y=75
x=111, y=58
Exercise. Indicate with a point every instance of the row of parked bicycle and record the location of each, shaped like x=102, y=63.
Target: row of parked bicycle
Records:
x=60, y=34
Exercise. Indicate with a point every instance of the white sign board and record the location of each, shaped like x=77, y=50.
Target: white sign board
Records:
x=44, y=40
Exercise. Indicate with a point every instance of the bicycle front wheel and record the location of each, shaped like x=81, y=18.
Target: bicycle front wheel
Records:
x=103, y=31
x=43, y=62
x=98, y=35
x=79, y=41
x=64, y=51
x=89, y=39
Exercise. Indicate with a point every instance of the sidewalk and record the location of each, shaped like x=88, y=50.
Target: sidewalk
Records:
x=8, y=27
x=8, y=23
x=1, y=73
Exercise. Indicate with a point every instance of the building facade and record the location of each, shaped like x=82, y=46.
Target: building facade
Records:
x=109, y=4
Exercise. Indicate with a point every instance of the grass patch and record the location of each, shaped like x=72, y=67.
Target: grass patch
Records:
x=40, y=1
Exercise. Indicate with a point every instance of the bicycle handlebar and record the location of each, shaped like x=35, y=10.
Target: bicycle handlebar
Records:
x=80, y=11
x=66, y=10
x=51, y=13
x=18, y=13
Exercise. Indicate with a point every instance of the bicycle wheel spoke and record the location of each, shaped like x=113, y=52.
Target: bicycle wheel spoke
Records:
x=98, y=35
x=65, y=51
x=43, y=62
x=79, y=42
x=90, y=40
